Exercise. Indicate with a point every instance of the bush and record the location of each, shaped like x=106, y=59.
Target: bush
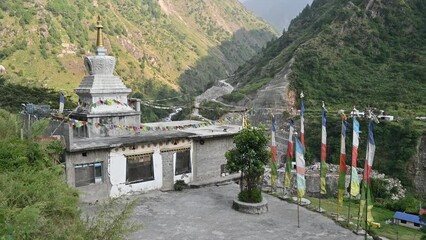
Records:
x=36, y=202
x=378, y=187
x=253, y=196
x=408, y=204
x=249, y=156
x=180, y=185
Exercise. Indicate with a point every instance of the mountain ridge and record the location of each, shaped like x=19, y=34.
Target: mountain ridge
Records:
x=362, y=53
x=349, y=46
x=155, y=42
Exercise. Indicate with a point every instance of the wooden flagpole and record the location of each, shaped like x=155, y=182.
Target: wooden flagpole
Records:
x=350, y=196
x=298, y=217
x=366, y=212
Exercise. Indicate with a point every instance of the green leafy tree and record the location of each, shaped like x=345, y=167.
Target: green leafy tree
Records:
x=249, y=156
x=35, y=201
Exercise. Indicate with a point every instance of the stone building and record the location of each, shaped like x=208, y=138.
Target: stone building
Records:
x=110, y=153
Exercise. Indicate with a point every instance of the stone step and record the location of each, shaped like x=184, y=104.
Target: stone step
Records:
x=214, y=181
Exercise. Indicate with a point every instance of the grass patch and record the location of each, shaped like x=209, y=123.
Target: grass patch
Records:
x=380, y=215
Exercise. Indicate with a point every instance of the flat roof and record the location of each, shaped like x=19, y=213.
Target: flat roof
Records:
x=159, y=131
x=408, y=217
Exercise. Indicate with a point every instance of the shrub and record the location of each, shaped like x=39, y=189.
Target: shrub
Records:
x=180, y=185
x=253, y=196
x=249, y=156
x=408, y=204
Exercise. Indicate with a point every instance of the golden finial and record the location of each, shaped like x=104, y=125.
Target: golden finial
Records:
x=99, y=39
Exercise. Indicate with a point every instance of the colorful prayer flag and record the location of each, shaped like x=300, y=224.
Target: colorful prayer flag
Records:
x=366, y=195
x=300, y=169
x=342, y=169
x=323, y=164
x=355, y=144
x=274, y=172
x=61, y=103
x=289, y=160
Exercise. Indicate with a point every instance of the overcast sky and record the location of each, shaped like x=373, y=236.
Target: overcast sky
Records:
x=278, y=13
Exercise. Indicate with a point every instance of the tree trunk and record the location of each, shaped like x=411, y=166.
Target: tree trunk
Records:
x=241, y=181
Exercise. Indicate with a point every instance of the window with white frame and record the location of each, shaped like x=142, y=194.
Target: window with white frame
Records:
x=183, y=162
x=140, y=168
x=89, y=173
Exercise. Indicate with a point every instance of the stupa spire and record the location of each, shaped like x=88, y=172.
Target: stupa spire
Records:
x=100, y=37
x=100, y=49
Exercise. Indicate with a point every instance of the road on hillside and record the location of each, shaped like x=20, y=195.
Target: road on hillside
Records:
x=212, y=94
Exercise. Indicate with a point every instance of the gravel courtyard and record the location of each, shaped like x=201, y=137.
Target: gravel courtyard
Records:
x=206, y=213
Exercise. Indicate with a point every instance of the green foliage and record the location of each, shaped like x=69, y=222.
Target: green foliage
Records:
x=35, y=201
x=250, y=87
x=346, y=55
x=235, y=52
x=13, y=95
x=9, y=125
x=181, y=50
x=213, y=110
x=250, y=196
x=378, y=189
x=180, y=185
x=392, y=157
x=380, y=215
x=111, y=221
x=408, y=204
x=8, y=51
x=249, y=156
x=235, y=96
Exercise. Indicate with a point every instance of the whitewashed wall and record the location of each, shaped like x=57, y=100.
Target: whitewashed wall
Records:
x=117, y=173
x=117, y=166
x=188, y=177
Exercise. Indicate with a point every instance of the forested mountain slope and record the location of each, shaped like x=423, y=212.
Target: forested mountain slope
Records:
x=363, y=53
x=161, y=45
x=360, y=52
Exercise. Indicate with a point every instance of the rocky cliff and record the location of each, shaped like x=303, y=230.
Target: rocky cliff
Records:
x=417, y=167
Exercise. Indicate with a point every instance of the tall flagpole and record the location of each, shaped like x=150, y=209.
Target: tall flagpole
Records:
x=323, y=164
x=300, y=175
x=354, y=181
x=302, y=120
x=274, y=155
x=290, y=151
x=302, y=140
x=342, y=166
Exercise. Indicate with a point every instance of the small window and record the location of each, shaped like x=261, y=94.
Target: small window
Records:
x=183, y=162
x=86, y=174
x=140, y=168
x=416, y=225
x=80, y=131
x=403, y=221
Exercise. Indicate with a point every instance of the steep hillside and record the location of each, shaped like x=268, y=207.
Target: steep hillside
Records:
x=277, y=12
x=347, y=53
x=361, y=52
x=159, y=44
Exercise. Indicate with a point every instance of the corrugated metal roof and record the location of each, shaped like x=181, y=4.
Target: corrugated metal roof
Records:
x=408, y=217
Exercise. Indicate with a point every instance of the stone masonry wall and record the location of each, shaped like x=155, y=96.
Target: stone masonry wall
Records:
x=209, y=156
x=168, y=173
x=91, y=192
